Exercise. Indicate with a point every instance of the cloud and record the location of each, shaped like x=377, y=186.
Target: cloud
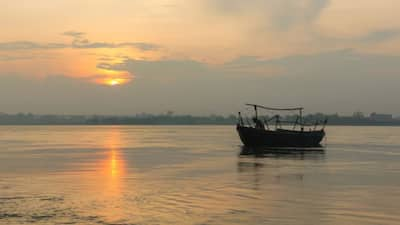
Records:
x=381, y=35
x=140, y=45
x=81, y=42
x=320, y=65
x=78, y=42
x=105, y=66
x=89, y=45
x=335, y=81
x=13, y=58
x=164, y=69
x=28, y=45
x=74, y=34
x=281, y=14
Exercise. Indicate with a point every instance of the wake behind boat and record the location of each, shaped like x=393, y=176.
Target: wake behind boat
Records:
x=259, y=134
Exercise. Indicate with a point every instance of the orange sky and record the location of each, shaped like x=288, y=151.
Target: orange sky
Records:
x=127, y=57
x=208, y=31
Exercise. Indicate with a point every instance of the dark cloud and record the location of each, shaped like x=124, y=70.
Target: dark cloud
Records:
x=19, y=45
x=93, y=45
x=79, y=41
x=140, y=45
x=373, y=37
x=381, y=35
x=74, y=34
x=28, y=45
x=13, y=58
x=292, y=13
x=162, y=68
x=105, y=66
x=338, y=81
x=315, y=7
x=282, y=14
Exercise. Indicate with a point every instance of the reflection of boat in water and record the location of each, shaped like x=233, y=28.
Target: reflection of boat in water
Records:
x=262, y=166
x=260, y=133
x=283, y=153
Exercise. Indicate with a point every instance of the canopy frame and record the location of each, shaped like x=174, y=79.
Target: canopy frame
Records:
x=300, y=109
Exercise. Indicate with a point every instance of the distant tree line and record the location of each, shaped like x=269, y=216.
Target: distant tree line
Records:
x=170, y=119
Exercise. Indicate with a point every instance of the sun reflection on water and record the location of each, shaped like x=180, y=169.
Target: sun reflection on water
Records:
x=100, y=187
x=113, y=167
x=108, y=179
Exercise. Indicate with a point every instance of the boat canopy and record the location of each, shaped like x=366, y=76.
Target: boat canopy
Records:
x=276, y=109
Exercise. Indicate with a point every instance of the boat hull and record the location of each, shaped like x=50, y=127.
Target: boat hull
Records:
x=253, y=137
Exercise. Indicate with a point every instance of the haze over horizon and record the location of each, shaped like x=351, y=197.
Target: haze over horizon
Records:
x=199, y=57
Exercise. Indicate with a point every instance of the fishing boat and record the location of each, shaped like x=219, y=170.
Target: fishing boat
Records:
x=261, y=132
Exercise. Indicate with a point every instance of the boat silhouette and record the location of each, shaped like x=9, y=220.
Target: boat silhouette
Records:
x=259, y=133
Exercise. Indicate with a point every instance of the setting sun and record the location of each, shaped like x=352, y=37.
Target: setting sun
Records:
x=110, y=81
x=113, y=82
x=112, y=78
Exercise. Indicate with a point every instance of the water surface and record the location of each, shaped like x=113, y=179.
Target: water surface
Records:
x=194, y=175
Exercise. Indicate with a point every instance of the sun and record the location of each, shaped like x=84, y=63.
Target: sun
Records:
x=112, y=78
x=113, y=82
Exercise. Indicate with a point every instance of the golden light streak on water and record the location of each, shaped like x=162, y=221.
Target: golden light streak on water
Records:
x=114, y=169
x=109, y=182
x=113, y=165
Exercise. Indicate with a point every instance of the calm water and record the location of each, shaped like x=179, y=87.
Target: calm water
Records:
x=194, y=175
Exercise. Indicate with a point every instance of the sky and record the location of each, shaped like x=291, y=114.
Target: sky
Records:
x=199, y=57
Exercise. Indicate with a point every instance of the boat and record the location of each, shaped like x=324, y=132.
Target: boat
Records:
x=260, y=133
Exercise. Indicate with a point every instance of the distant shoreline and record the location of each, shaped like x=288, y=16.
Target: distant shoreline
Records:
x=188, y=124
x=25, y=119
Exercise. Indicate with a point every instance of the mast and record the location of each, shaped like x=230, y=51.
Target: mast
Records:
x=301, y=119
